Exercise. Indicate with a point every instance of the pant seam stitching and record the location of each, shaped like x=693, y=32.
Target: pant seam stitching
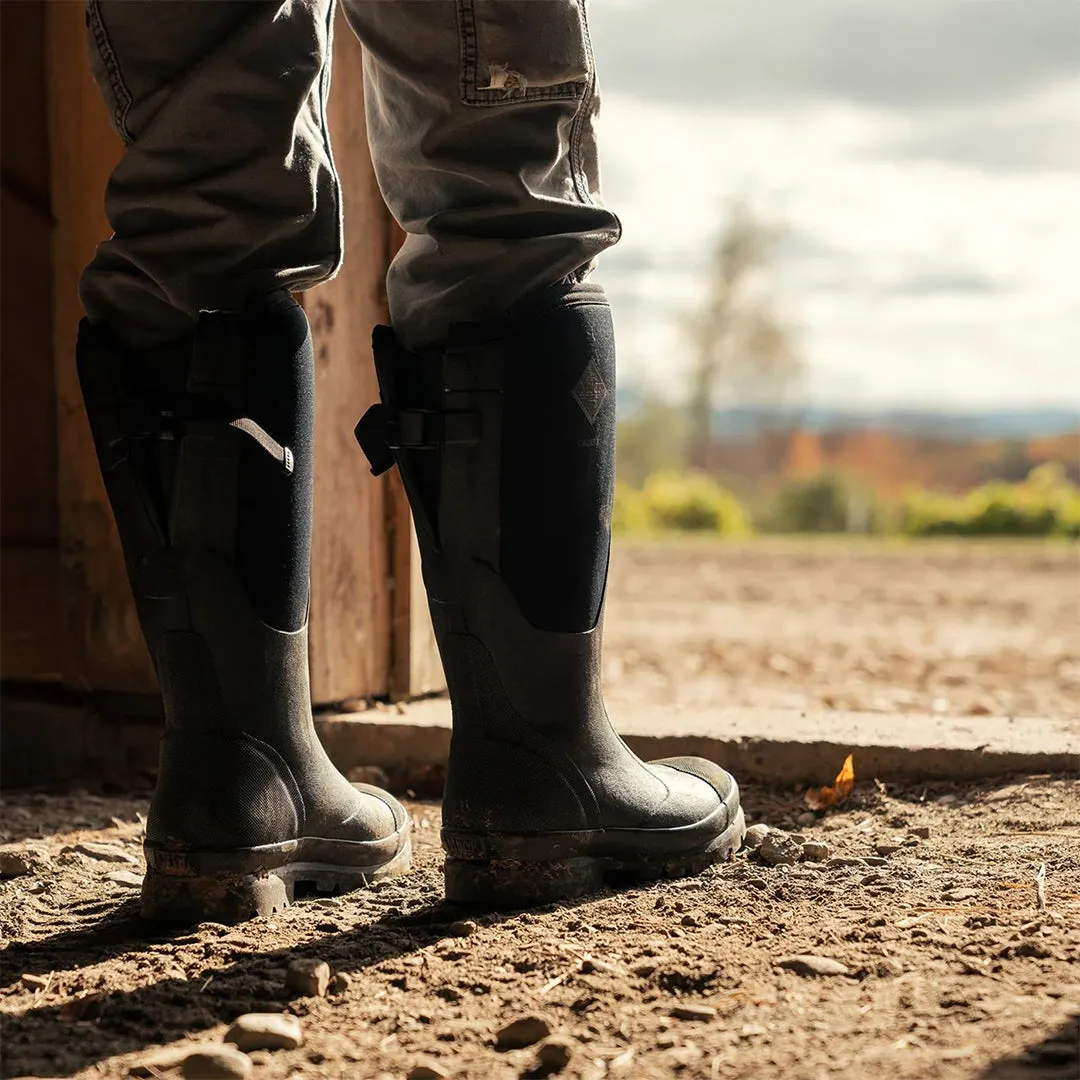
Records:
x=121, y=95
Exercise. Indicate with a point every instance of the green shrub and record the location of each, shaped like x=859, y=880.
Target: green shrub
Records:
x=822, y=504
x=678, y=502
x=631, y=512
x=1045, y=504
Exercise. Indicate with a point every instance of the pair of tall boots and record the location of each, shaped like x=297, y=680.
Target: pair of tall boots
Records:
x=505, y=441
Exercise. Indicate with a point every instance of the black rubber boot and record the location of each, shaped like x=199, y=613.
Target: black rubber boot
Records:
x=206, y=451
x=506, y=443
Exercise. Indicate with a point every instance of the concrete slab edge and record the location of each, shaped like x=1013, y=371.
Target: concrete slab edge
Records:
x=51, y=745
x=406, y=745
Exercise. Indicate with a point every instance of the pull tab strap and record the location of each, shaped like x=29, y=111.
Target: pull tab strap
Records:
x=281, y=454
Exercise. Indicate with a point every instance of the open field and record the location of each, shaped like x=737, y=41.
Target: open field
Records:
x=956, y=627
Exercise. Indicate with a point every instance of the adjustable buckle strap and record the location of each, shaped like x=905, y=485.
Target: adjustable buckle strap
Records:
x=384, y=429
x=150, y=420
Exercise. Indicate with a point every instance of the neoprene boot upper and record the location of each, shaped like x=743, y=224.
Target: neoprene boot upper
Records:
x=206, y=450
x=505, y=440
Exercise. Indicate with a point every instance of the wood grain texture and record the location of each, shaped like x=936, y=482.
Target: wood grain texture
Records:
x=30, y=627
x=351, y=564
x=102, y=644
x=27, y=396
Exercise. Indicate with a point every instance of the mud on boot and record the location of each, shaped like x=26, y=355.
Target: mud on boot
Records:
x=205, y=446
x=505, y=438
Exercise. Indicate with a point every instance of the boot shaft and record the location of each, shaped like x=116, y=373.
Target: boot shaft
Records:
x=506, y=441
x=206, y=448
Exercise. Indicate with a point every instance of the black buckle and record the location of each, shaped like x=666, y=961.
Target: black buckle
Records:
x=383, y=429
x=373, y=433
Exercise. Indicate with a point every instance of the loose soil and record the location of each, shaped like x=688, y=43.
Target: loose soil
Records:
x=953, y=970
x=962, y=628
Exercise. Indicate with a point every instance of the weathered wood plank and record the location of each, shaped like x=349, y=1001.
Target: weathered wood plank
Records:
x=351, y=565
x=30, y=629
x=102, y=645
x=29, y=560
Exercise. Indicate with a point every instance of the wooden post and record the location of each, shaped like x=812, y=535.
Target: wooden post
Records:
x=370, y=629
x=365, y=637
x=101, y=644
x=29, y=562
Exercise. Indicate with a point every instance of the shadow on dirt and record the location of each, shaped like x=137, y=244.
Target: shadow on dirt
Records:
x=1057, y=1057
x=165, y=1010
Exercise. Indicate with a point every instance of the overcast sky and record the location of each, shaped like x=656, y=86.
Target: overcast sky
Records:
x=923, y=156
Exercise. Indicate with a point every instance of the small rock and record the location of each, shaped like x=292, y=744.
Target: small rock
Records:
x=807, y=964
x=757, y=883
x=839, y=861
x=127, y=878
x=693, y=1012
x=666, y=1042
x=35, y=982
x=308, y=976
x=921, y=831
x=1053, y=1052
x=592, y=966
x=875, y=860
x=17, y=862
x=217, y=1063
x=265, y=1031
x=427, y=1069
x=87, y=1007
x=100, y=852
x=162, y=1061
x=553, y=1056
x=261, y=1057
x=816, y=850
x=462, y=928
x=340, y=982
x=368, y=774
x=754, y=835
x=690, y=920
x=778, y=849
x=886, y=849
x=955, y=895
x=807, y=817
x=524, y=1031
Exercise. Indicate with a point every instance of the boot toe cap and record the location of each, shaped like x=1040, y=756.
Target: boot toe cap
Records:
x=381, y=808
x=700, y=787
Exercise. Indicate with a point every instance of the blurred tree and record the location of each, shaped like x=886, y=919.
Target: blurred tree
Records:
x=652, y=438
x=740, y=345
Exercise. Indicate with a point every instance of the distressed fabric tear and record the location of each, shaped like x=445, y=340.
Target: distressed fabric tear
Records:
x=503, y=77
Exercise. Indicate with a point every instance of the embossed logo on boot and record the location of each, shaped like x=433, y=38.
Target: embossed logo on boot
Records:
x=591, y=392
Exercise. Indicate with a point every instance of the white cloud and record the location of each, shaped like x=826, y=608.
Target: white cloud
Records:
x=916, y=277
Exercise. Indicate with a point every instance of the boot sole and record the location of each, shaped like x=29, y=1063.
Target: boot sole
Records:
x=193, y=887
x=532, y=882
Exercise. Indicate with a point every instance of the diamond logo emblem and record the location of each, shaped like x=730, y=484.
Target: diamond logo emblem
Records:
x=591, y=392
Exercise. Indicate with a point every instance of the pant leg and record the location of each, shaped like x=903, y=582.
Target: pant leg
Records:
x=227, y=186
x=481, y=117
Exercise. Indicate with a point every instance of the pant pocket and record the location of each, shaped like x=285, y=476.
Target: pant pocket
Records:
x=106, y=71
x=523, y=50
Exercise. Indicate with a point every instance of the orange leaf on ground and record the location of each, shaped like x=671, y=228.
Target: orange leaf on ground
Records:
x=824, y=797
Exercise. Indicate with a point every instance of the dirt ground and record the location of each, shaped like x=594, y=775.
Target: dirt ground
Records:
x=953, y=970
x=953, y=627
x=928, y=896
